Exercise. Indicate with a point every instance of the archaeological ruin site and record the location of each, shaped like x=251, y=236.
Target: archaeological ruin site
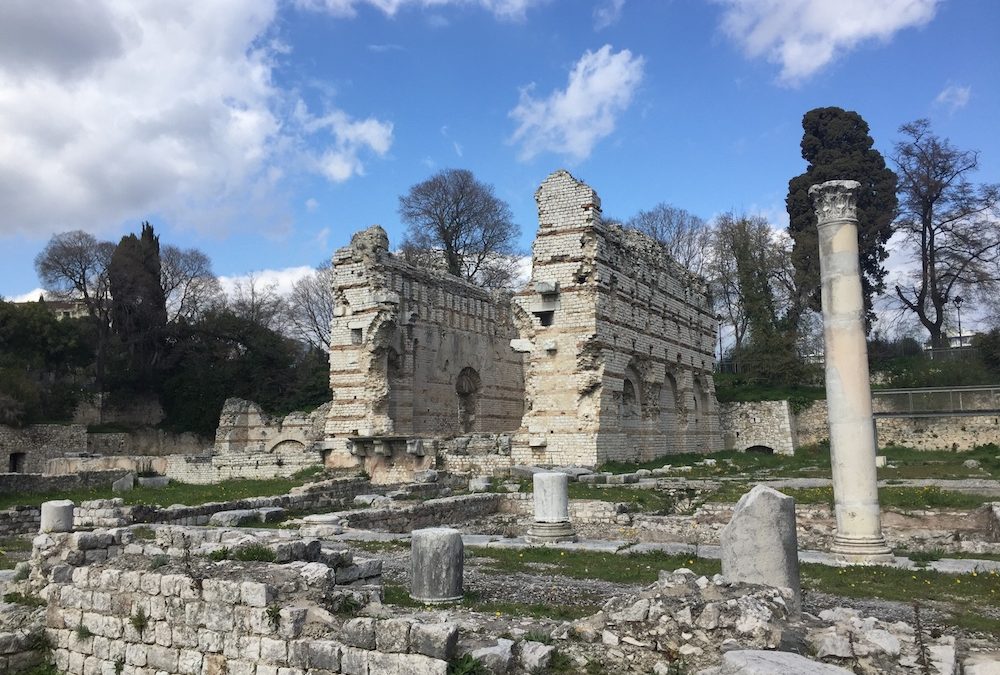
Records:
x=536, y=482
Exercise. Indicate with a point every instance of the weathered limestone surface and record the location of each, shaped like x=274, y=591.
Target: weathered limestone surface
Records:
x=437, y=563
x=760, y=662
x=57, y=516
x=606, y=354
x=848, y=390
x=760, y=544
x=759, y=425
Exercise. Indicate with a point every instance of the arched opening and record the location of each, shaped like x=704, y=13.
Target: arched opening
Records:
x=700, y=406
x=668, y=410
x=630, y=400
x=394, y=373
x=467, y=386
x=760, y=449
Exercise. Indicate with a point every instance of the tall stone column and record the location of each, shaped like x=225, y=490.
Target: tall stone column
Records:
x=848, y=390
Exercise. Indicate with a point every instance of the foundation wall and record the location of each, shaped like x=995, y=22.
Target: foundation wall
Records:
x=758, y=424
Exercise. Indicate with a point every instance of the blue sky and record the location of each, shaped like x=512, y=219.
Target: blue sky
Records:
x=266, y=132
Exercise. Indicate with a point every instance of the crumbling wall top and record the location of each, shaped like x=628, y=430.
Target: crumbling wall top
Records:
x=564, y=201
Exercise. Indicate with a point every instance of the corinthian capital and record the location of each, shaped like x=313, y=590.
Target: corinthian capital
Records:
x=835, y=200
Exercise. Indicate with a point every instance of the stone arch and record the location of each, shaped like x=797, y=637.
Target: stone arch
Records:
x=700, y=405
x=467, y=386
x=668, y=408
x=760, y=449
x=394, y=376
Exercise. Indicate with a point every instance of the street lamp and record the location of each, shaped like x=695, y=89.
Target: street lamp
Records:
x=958, y=305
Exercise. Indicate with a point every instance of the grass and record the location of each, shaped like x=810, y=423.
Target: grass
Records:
x=891, y=497
x=642, y=568
x=966, y=594
x=16, y=598
x=173, y=493
x=397, y=595
x=12, y=545
x=639, y=500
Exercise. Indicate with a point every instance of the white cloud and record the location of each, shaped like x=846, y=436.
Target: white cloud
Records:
x=608, y=13
x=113, y=110
x=571, y=121
x=954, y=97
x=504, y=9
x=803, y=36
x=281, y=280
x=30, y=296
x=311, y=205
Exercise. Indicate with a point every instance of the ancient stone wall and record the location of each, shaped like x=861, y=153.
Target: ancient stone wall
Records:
x=36, y=483
x=146, y=442
x=619, y=341
x=764, y=425
x=606, y=355
x=417, y=352
x=20, y=520
x=26, y=450
x=931, y=432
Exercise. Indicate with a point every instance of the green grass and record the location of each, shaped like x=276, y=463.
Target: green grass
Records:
x=397, y=595
x=639, y=500
x=642, y=568
x=173, y=493
x=903, y=498
x=12, y=545
x=966, y=594
x=815, y=458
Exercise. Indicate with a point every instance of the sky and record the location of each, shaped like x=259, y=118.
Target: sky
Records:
x=266, y=132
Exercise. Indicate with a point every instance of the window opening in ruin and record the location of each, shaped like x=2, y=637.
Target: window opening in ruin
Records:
x=16, y=464
x=467, y=387
x=546, y=318
x=357, y=336
x=630, y=402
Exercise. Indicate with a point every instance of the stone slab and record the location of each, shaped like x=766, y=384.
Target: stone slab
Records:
x=759, y=662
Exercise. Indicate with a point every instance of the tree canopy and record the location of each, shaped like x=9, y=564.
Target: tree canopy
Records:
x=837, y=145
x=952, y=227
x=454, y=215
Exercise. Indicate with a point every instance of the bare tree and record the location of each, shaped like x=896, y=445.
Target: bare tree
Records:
x=258, y=302
x=74, y=265
x=685, y=236
x=749, y=268
x=454, y=214
x=310, y=307
x=952, y=227
x=188, y=283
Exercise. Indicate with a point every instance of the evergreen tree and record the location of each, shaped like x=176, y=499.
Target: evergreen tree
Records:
x=138, y=305
x=837, y=146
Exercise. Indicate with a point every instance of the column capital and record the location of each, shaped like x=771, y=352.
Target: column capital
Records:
x=835, y=200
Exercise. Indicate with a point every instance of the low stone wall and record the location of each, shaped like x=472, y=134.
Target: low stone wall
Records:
x=20, y=520
x=771, y=424
x=39, y=443
x=37, y=483
x=134, y=464
x=431, y=513
x=109, y=612
x=147, y=442
x=582, y=511
x=766, y=424
x=480, y=454
x=20, y=650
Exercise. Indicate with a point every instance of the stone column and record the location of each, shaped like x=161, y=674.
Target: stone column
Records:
x=57, y=516
x=848, y=390
x=437, y=562
x=551, y=494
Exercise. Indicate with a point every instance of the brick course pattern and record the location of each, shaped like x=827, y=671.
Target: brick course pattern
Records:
x=606, y=355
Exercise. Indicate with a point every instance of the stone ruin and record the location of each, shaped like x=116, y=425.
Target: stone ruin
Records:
x=607, y=354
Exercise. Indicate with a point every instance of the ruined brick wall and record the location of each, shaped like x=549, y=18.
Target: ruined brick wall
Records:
x=416, y=352
x=768, y=424
x=619, y=341
x=28, y=449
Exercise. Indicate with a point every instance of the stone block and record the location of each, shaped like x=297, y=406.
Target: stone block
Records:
x=760, y=545
x=360, y=632
x=235, y=518
x=57, y=516
x=759, y=662
x=323, y=654
x=498, y=658
x=405, y=664
x=437, y=640
x=392, y=635
x=535, y=656
x=425, y=476
x=270, y=514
